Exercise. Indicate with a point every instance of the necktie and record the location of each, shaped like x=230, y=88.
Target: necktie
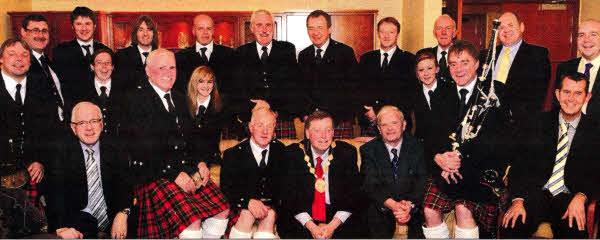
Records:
x=430, y=93
x=18, y=98
x=395, y=163
x=103, y=95
x=145, y=56
x=205, y=59
x=588, y=66
x=319, y=58
x=95, y=193
x=44, y=60
x=264, y=55
x=556, y=183
x=504, y=66
x=263, y=160
x=385, y=63
x=201, y=110
x=442, y=63
x=463, y=102
x=169, y=103
x=88, y=54
x=318, y=206
x=45, y=65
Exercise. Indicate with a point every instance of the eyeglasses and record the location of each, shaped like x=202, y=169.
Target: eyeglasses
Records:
x=38, y=31
x=103, y=63
x=93, y=122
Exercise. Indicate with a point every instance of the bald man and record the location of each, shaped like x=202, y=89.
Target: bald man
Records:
x=444, y=30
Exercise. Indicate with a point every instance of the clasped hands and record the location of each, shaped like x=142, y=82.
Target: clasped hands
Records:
x=187, y=183
x=401, y=209
x=450, y=163
x=323, y=230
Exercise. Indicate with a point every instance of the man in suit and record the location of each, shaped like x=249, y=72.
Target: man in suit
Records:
x=323, y=184
x=523, y=68
x=252, y=178
x=72, y=58
x=588, y=45
x=129, y=62
x=85, y=177
x=444, y=30
x=265, y=75
x=554, y=177
x=35, y=32
x=387, y=76
x=329, y=74
x=394, y=173
x=467, y=166
x=205, y=52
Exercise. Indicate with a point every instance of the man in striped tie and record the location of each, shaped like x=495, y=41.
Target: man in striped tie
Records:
x=552, y=178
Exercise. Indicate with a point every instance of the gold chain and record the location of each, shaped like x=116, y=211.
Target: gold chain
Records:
x=310, y=167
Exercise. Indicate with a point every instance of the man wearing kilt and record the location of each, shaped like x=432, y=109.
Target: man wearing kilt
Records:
x=460, y=179
x=172, y=193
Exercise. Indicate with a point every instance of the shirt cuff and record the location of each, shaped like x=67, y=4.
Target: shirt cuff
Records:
x=303, y=218
x=342, y=215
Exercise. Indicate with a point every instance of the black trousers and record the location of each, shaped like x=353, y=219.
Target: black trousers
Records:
x=382, y=224
x=540, y=207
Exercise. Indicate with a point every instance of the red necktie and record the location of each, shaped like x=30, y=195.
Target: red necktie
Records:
x=318, y=206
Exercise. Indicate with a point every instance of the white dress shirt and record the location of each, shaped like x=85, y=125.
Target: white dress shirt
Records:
x=11, y=86
x=90, y=42
x=209, y=49
x=257, y=152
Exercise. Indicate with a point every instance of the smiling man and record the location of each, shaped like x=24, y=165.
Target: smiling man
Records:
x=444, y=30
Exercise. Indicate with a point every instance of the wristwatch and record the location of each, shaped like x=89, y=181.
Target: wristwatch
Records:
x=126, y=211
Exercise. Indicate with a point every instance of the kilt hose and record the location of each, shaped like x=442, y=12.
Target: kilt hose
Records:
x=165, y=210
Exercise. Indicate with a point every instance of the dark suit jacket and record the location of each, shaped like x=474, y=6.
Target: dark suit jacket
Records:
x=535, y=160
x=273, y=82
x=71, y=66
x=570, y=66
x=377, y=169
x=331, y=85
x=527, y=81
x=47, y=82
x=240, y=174
x=111, y=109
x=206, y=131
x=442, y=75
x=220, y=61
x=129, y=67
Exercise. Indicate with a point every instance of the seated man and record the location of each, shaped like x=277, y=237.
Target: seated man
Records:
x=554, y=175
x=394, y=173
x=84, y=177
x=252, y=176
x=322, y=184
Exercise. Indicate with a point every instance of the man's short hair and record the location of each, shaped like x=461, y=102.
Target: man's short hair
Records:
x=99, y=51
x=11, y=42
x=575, y=76
x=263, y=110
x=464, y=46
x=391, y=20
x=445, y=15
x=82, y=11
x=157, y=52
x=316, y=115
x=318, y=13
x=515, y=14
x=150, y=24
x=257, y=12
x=389, y=108
x=78, y=106
x=35, y=18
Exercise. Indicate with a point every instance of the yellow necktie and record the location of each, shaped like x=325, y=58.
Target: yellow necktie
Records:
x=503, y=67
x=556, y=183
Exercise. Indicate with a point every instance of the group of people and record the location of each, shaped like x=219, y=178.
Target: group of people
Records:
x=119, y=144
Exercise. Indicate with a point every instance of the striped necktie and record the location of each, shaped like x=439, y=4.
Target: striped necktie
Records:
x=556, y=183
x=95, y=193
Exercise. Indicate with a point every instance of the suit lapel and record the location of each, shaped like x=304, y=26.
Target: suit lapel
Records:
x=248, y=152
x=517, y=61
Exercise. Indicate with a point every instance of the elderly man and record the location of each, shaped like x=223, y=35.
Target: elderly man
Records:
x=265, y=75
x=329, y=73
x=85, y=177
x=204, y=52
x=464, y=175
x=553, y=177
x=588, y=45
x=252, y=178
x=387, y=75
x=444, y=30
x=174, y=194
x=322, y=185
x=394, y=171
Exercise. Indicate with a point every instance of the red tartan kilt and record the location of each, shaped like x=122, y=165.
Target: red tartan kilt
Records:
x=485, y=214
x=165, y=210
x=285, y=128
x=343, y=130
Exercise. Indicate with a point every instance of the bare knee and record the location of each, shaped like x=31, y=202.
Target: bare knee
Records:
x=196, y=225
x=245, y=221
x=432, y=217
x=464, y=217
x=223, y=215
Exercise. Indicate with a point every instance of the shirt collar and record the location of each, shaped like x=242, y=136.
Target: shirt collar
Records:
x=425, y=89
x=205, y=103
x=514, y=47
x=95, y=147
x=323, y=156
x=259, y=47
x=11, y=83
x=595, y=61
x=573, y=123
x=90, y=42
x=257, y=150
x=324, y=47
x=209, y=47
x=160, y=92
x=389, y=52
x=469, y=86
x=36, y=55
x=142, y=50
x=390, y=147
x=107, y=84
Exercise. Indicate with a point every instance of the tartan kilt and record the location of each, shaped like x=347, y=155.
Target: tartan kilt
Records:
x=33, y=195
x=343, y=130
x=484, y=214
x=285, y=128
x=165, y=210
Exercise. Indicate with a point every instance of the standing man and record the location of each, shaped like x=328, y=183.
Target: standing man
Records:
x=129, y=62
x=323, y=179
x=387, y=76
x=394, y=171
x=588, y=44
x=444, y=30
x=73, y=58
x=205, y=52
x=36, y=33
x=329, y=72
x=265, y=75
x=252, y=178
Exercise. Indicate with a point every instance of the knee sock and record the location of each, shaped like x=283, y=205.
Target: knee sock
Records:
x=190, y=234
x=214, y=227
x=440, y=231
x=264, y=235
x=238, y=234
x=466, y=233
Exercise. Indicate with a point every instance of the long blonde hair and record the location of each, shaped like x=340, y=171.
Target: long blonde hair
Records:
x=202, y=72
